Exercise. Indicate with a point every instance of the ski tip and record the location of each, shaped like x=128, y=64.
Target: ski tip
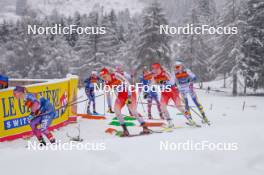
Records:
x=154, y=124
x=110, y=130
x=193, y=125
x=92, y=117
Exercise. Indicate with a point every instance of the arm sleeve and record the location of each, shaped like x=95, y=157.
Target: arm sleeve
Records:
x=172, y=78
x=127, y=76
x=125, y=81
x=45, y=105
x=191, y=75
x=86, y=83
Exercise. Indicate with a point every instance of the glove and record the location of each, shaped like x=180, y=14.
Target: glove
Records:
x=128, y=101
x=145, y=95
x=30, y=118
x=36, y=113
x=191, y=85
x=190, y=80
x=161, y=81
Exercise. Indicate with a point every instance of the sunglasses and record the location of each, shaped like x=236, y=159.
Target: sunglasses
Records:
x=104, y=76
x=178, y=67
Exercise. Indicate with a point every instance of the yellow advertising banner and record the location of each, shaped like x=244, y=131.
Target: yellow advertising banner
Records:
x=13, y=113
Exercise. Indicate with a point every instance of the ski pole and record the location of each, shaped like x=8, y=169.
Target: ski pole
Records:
x=84, y=100
x=86, y=105
x=67, y=105
x=139, y=98
x=210, y=90
x=104, y=103
x=168, y=105
x=191, y=107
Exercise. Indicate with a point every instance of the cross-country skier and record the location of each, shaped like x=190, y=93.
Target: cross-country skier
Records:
x=89, y=90
x=185, y=78
x=149, y=92
x=118, y=70
x=129, y=77
x=42, y=113
x=165, y=79
x=125, y=96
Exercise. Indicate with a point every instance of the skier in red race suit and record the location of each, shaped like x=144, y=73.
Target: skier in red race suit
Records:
x=118, y=70
x=125, y=96
x=163, y=78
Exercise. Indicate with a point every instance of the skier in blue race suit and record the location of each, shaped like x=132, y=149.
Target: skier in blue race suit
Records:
x=3, y=82
x=42, y=113
x=149, y=93
x=89, y=90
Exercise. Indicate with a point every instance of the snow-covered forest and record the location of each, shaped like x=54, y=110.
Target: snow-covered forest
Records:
x=133, y=41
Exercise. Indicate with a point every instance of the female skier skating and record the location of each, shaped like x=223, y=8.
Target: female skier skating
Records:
x=89, y=90
x=125, y=95
x=185, y=78
x=149, y=92
x=161, y=77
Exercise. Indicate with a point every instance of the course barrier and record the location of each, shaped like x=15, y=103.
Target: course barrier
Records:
x=13, y=113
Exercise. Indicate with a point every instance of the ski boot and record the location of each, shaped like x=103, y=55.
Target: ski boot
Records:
x=52, y=141
x=146, y=130
x=110, y=111
x=205, y=120
x=170, y=124
x=41, y=141
x=192, y=123
x=125, y=131
x=88, y=111
x=51, y=138
x=161, y=116
x=95, y=113
x=150, y=117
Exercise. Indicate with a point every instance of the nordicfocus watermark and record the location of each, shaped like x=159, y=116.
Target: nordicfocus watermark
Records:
x=67, y=146
x=205, y=145
x=58, y=29
x=125, y=87
x=191, y=29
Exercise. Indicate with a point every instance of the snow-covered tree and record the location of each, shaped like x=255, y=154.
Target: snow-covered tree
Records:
x=26, y=51
x=109, y=43
x=73, y=38
x=4, y=31
x=98, y=50
x=206, y=11
x=195, y=49
x=87, y=48
x=253, y=46
x=227, y=59
x=153, y=46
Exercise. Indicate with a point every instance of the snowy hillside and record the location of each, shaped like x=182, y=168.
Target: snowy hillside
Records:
x=8, y=10
x=141, y=155
x=218, y=85
x=69, y=7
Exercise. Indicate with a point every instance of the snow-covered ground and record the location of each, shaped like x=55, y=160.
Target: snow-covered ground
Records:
x=142, y=155
x=8, y=10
